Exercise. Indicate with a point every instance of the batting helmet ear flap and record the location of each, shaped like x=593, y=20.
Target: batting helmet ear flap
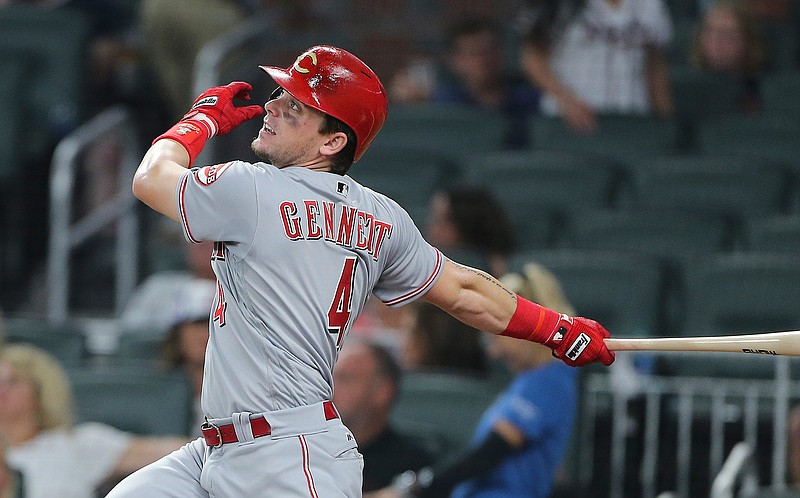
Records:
x=338, y=83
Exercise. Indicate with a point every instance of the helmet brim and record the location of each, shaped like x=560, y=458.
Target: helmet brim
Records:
x=297, y=87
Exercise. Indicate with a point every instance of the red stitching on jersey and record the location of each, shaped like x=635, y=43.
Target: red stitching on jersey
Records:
x=182, y=205
x=307, y=468
x=422, y=287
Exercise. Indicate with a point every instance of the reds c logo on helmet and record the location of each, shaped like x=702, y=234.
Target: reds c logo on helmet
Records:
x=336, y=82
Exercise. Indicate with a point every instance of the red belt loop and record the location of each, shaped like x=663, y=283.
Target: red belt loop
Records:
x=217, y=435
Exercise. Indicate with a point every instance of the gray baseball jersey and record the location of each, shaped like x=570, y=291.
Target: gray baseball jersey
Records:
x=300, y=252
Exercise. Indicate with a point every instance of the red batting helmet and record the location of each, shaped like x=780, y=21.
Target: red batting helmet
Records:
x=336, y=82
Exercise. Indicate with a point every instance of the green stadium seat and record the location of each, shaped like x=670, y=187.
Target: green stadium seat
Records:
x=408, y=175
x=53, y=44
x=780, y=92
x=770, y=136
x=66, y=342
x=540, y=188
x=774, y=234
x=623, y=291
x=672, y=236
x=734, y=186
x=457, y=131
x=742, y=293
x=618, y=136
x=136, y=399
x=443, y=407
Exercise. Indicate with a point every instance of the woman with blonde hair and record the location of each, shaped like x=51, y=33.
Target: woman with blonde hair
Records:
x=55, y=457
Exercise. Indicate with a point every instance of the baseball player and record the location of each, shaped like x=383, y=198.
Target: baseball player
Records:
x=300, y=246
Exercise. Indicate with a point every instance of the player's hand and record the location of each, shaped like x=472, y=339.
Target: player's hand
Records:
x=213, y=113
x=217, y=104
x=579, y=341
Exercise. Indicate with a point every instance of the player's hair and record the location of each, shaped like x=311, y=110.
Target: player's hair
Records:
x=344, y=158
x=49, y=380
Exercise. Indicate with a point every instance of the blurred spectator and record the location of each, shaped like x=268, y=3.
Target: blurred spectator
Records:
x=366, y=381
x=55, y=457
x=729, y=42
x=10, y=481
x=184, y=347
x=474, y=74
x=174, y=34
x=597, y=56
x=146, y=310
x=439, y=342
x=522, y=437
x=470, y=219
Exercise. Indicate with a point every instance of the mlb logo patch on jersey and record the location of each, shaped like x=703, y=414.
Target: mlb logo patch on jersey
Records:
x=209, y=174
x=342, y=188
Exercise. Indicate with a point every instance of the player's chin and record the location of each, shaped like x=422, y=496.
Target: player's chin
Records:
x=258, y=149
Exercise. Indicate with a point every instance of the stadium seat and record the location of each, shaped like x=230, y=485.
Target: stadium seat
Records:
x=622, y=291
x=618, y=136
x=53, y=43
x=776, y=234
x=742, y=293
x=66, y=342
x=770, y=136
x=699, y=95
x=407, y=174
x=780, y=92
x=674, y=236
x=136, y=399
x=540, y=188
x=457, y=131
x=734, y=186
x=442, y=407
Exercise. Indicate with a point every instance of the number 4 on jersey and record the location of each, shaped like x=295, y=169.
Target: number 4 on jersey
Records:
x=339, y=313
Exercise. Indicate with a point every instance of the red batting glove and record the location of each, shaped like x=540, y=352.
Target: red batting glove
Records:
x=578, y=341
x=575, y=340
x=213, y=113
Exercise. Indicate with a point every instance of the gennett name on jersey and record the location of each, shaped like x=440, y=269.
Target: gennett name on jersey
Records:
x=335, y=222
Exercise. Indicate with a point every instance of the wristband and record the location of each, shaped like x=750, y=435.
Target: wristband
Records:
x=532, y=322
x=191, y=132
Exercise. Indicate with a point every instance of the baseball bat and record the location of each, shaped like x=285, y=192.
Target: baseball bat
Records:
x=769, y=343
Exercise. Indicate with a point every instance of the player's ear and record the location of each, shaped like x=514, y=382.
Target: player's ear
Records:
x=334, y=142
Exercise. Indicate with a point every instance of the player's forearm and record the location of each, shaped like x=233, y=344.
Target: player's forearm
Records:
x=158, y=174
x=474, y=297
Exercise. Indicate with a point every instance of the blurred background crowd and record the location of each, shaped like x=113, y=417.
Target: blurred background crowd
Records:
x=642, y=156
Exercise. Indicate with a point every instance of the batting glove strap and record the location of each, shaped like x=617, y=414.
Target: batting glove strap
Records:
x=191, y=132
x=532, y=322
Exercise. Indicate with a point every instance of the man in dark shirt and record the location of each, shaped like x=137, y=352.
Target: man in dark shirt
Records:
x=365, y=382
